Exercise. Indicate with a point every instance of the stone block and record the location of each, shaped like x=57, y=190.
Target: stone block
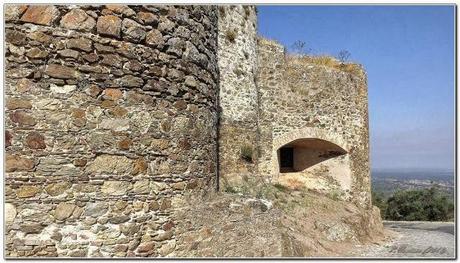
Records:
x=64, y=211
x=109, y=25
x=41, y=14
x=116, y=187
x=78, y=19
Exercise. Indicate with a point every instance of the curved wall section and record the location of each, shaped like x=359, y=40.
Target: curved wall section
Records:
x=110, y=119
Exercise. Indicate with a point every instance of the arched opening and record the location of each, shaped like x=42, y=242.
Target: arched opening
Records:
x=304, y=153
x=312, y=158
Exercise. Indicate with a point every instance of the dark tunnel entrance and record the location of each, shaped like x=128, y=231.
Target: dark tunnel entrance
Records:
x=286, y=159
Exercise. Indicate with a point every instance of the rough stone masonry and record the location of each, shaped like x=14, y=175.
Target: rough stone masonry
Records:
x=115, y=113
x=270, y=100
x=110, y=116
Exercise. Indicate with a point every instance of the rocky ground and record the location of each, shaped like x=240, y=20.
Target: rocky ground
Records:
x=275, y=223
x=413, y=240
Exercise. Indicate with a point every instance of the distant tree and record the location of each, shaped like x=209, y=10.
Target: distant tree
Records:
x=343, y=55
x=414, y=205
x=300, y=47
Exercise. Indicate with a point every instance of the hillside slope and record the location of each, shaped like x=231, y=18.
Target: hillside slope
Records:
x=285, y=223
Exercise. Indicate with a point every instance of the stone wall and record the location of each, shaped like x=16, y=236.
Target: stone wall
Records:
x=238, y=97
x=308, y=98
x=117, y=114
x=270, y=61
x=110, y=119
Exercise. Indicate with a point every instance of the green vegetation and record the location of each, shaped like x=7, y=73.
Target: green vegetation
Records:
x=280, y=187
x=246, y=153
x=222, y=10
x=231, y=35
x=230, y=189
x=415, y=205
x=238, y=72
x=334, y=195
x=247, y=11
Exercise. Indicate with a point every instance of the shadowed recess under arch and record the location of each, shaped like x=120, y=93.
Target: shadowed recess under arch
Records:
x=304, y=153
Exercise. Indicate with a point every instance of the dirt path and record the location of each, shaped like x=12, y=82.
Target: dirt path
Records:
x=415, y=239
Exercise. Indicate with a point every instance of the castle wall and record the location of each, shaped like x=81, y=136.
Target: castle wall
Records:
x=301, y=99
x=116, y=114
x=110, y=119
x=238, y=96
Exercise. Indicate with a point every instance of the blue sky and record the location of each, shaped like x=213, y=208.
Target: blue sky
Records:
x=408, y=53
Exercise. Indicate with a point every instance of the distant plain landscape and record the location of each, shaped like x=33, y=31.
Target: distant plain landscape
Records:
x=388, y=182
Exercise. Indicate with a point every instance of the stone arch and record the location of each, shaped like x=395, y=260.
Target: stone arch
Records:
x=310, y=132
x=312, y=149
x=301, y=154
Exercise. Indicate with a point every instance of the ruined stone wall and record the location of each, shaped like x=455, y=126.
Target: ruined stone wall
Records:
x=303, y=99
x=110, y=119
x=238, y=96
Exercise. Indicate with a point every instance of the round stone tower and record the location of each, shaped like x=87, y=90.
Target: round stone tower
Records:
x=110, y=118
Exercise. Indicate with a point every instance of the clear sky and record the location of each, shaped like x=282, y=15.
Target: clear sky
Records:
x=408, y=53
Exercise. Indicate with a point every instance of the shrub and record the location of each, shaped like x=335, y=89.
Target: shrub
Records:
x=326, y=61
x=238, y=72
x=222, y=10
x=231, y=35
x=300, y=47
x=246, y=153
x=247, y=10
x=419, y=205
x=230, y=189
x=334, y=195
x=280, y=187
x=343, y=55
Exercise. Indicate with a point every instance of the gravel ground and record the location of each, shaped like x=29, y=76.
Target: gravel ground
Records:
x=415, y=239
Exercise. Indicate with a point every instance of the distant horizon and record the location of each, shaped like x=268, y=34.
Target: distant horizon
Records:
x=414, y=169
x=408, y=54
